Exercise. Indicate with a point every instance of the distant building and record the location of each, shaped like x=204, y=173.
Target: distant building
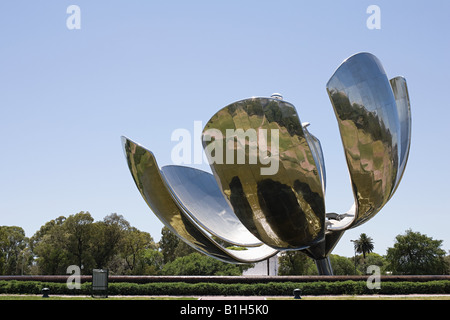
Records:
x=267, y=267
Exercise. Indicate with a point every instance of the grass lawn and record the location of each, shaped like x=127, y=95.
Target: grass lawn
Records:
x=368, y=297
x=39, y=297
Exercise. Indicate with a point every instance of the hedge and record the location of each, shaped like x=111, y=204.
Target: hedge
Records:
x=267, y=289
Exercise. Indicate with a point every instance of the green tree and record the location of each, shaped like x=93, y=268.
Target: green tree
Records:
x=106, y=238
x=371, y=259
x=13, y=244
x=377, y=260
x=3, y=241
x=150, y=262
x=172, y=247
x=364, y=244
x=341, y=265
x=49, y=245
x=77, y=240
x=298, y=263
x=200, y=264
x=133, y=247
x=447, y=262
x=79, y=230
x=416, y=253
x=46, y=228
x=295, y=263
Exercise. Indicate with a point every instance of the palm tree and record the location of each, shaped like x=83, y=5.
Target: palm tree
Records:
x=364, y=244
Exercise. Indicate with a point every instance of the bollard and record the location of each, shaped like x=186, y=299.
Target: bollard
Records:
x=45, y=292
x=297, y=293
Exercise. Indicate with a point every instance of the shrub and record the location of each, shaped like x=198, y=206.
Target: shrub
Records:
x=212, y=288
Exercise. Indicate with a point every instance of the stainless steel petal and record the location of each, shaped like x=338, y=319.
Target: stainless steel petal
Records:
x=366, y=110
x=400, y=90
x=202, y=199
x=153, y=188
x=316, y=150
x=244, y=141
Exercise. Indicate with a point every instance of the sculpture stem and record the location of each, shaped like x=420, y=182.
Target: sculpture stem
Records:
x=324, y=266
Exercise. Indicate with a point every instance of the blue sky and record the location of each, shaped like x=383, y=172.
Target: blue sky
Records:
x=146, y=68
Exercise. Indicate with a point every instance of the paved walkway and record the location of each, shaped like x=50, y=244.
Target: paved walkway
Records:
x=335, y=297
x=324, y=297
x=232, y=298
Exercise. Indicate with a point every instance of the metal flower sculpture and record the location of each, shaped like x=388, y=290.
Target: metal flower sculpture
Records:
x=267, y=190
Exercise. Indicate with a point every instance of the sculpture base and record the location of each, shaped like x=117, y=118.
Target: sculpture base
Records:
x=324, y=266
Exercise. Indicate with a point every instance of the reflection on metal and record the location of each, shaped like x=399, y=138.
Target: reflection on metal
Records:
x=374, y=120
x=400, y=91
x=267, y=191
x=200, y=196
x=285, y=210
x=156, y=192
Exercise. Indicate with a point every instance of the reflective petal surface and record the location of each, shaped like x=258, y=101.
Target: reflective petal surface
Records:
x=164, y=204
x=371, y=133
x=262, y=160
x=400, y=90
x=316, y=149
x=201, y=197
x=268, y=184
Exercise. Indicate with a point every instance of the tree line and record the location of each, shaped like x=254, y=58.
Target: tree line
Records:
x=111, y=243
x=114, y=244
x=413, y=253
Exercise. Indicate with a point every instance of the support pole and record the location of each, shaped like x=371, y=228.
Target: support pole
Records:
x=324, y=266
